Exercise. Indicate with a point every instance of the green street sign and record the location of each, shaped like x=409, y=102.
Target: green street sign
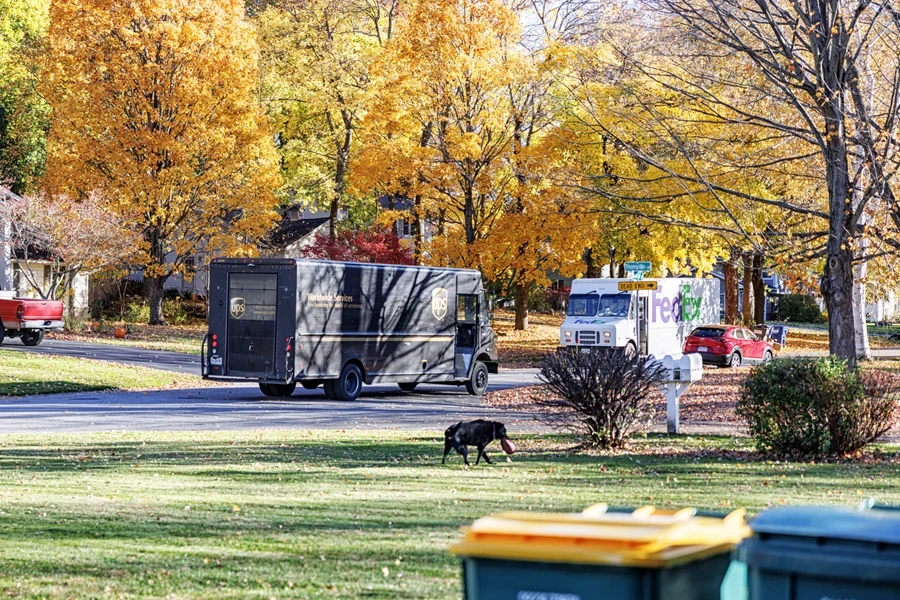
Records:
x=639, y=266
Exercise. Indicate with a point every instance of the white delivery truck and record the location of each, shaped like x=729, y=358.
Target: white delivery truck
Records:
x=650, y=316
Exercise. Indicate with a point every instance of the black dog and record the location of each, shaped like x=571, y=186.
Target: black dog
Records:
x=478, y=433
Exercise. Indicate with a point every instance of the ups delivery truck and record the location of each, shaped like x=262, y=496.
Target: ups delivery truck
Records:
x=280, y=321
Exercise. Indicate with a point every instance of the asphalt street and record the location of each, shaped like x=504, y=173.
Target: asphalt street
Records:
x=242, y=406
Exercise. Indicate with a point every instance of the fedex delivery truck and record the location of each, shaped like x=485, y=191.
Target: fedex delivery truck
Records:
x=650, y=316
x=341, y=324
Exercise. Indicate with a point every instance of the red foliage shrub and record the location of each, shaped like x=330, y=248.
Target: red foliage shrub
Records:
x=377, y=245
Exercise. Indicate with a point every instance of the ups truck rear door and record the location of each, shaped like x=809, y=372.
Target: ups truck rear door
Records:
x=252, y=319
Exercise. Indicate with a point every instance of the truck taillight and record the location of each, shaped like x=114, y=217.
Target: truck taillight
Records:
x=215, y=340
x=20, y=312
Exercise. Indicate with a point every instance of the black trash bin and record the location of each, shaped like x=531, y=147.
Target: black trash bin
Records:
x=819, y=553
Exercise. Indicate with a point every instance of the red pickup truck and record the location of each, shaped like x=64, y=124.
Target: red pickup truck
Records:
x=27, y=318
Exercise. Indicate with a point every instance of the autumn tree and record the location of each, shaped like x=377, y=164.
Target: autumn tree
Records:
x=457, y=123
x=802, y=100
x=318, y=57
x=68, y=237
x=23, y=113
x=154, y=108
x=374, y=245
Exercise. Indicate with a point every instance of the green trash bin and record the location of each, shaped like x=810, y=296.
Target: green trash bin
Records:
x=818, y=553
x=643, y=555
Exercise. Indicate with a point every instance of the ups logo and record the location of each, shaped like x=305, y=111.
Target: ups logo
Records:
x=439, y=303
x=238, y=307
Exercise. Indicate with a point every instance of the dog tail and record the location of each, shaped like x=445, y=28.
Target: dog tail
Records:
x=452, y=429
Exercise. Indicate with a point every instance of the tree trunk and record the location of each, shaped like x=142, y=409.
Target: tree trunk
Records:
x=731, y=291
x=837, y=280
x=156, y=286
x=759, y=290
x=592, y=269
x=612, y=261
x=418, y=231
x=522, y=290
x=748, y=289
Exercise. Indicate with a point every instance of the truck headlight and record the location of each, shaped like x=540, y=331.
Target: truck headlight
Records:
x=606, y=334
x=567, y=333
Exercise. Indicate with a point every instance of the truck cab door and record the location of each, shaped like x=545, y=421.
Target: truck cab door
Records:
x=467, y=332
x=642, y=321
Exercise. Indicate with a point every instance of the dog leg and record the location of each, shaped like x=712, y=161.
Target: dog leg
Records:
x=447, y=446
x=465, y=454
x=486, y=457
x=480, y=454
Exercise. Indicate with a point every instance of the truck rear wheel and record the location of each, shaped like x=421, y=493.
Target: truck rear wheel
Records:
x=346, y=387
x=477, y=385
x=2, y=334
x=277, y=390
x=32, y=337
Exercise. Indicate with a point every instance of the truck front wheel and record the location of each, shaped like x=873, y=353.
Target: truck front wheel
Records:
x=477, y=385
x=346, y=387
x=32, y=337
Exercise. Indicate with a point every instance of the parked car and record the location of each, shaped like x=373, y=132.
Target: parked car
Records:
x=728, y=345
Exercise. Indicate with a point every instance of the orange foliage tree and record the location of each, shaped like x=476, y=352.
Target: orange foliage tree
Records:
x=154, y=108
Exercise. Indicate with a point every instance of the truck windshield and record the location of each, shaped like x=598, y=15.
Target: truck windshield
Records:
x=583, y=305
x=614, y=305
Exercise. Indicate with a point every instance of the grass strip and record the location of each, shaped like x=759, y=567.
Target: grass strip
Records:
x=25, y=373
x=309, y=514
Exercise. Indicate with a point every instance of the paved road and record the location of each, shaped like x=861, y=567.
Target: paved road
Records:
x=244, y=407
x=241, y=406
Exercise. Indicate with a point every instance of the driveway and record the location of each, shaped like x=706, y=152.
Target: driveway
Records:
x=241, y=406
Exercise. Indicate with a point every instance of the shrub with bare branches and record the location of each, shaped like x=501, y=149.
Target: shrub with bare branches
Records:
x=604, y=397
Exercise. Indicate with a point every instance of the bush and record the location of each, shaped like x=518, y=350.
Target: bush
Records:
x=810, y=408
x=137, y=312
x=74, y=323
x=799, y=308
x=602, y=396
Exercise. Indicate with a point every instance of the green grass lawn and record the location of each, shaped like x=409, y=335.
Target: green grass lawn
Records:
x=23, y=373
x=336, y=515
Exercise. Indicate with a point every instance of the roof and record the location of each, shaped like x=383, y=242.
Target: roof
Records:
x=289, y=231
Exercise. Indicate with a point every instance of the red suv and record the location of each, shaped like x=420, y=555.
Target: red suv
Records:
x=728, y=345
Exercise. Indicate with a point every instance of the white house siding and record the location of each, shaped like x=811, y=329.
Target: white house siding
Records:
x=6, y=268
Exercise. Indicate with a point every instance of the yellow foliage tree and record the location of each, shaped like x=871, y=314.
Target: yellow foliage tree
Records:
x=317, y=62
x=154, y=107
x=456, y=123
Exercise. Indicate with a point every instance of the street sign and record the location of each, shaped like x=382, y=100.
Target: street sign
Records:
x=634, y=286
x=639, y=266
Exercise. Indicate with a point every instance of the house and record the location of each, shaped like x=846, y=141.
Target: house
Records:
x=296, y=230
x=404, y=227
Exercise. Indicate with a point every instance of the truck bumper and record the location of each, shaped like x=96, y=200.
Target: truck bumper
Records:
x=33, y=324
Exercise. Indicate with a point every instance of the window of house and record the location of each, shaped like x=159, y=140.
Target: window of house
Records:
x=404, y=228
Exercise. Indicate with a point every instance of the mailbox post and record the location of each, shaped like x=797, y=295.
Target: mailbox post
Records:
x=681, y=371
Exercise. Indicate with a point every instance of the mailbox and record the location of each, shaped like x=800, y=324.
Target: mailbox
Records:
x=681, y=371
x=683, y=367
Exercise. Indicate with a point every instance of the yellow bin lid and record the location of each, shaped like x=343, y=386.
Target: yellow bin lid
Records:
x=646, y=537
